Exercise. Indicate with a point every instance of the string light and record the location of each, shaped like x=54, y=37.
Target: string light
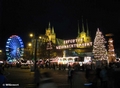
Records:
x=82, y=45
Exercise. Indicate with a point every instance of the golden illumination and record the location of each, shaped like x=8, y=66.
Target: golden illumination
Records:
x=82, y=45
x=0, y=51
x=31, y=35
x=40, y=37
x=29, y=44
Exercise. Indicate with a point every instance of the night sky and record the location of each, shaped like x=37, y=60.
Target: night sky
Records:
x=22, y=17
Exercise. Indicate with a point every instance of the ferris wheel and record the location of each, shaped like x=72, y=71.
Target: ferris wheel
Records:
x=14, y=48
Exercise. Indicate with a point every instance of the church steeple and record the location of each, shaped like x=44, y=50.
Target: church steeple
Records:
x=53, y=30
x=83, y=25
x=87, y=28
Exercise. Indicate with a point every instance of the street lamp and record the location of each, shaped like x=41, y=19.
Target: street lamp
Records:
x=31, y=35
x=30, y=50
x=34, y=46
x=29, y=44
x=40, y=37
x=35, y=50
x=0, y=51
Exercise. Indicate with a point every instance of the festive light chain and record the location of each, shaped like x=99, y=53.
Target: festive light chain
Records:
x=82, y=45
x=72, y=41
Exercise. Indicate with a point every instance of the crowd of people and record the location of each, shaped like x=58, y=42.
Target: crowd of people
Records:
x=101, y=76
x=104, y=76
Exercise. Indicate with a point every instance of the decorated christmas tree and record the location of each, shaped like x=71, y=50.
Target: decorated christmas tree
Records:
x=99, y=49
x=111, y=51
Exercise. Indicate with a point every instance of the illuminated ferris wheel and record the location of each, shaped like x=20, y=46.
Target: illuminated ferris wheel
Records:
x=14, y=48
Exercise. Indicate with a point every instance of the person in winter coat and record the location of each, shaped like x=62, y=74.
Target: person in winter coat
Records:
x=70, y=76
x=104, y=77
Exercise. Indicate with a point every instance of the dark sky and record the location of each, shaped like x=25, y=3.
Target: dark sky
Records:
x=22, y=17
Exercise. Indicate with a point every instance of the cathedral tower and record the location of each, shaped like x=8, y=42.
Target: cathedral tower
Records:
x=51, y=34
x=88, y=38
x=83, y=36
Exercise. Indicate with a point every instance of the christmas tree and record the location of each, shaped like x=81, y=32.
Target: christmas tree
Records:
x=99, y=49
x=111, y=51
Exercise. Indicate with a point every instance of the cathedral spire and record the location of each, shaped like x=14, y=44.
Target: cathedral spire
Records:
x=53, y=30
x=83, y=25
x=87, y=28
x=78, y=28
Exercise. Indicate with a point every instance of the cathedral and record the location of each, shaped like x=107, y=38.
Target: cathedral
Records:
x=82, y=40
x=79, y=46
x=51, y=34
x=83, y=35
